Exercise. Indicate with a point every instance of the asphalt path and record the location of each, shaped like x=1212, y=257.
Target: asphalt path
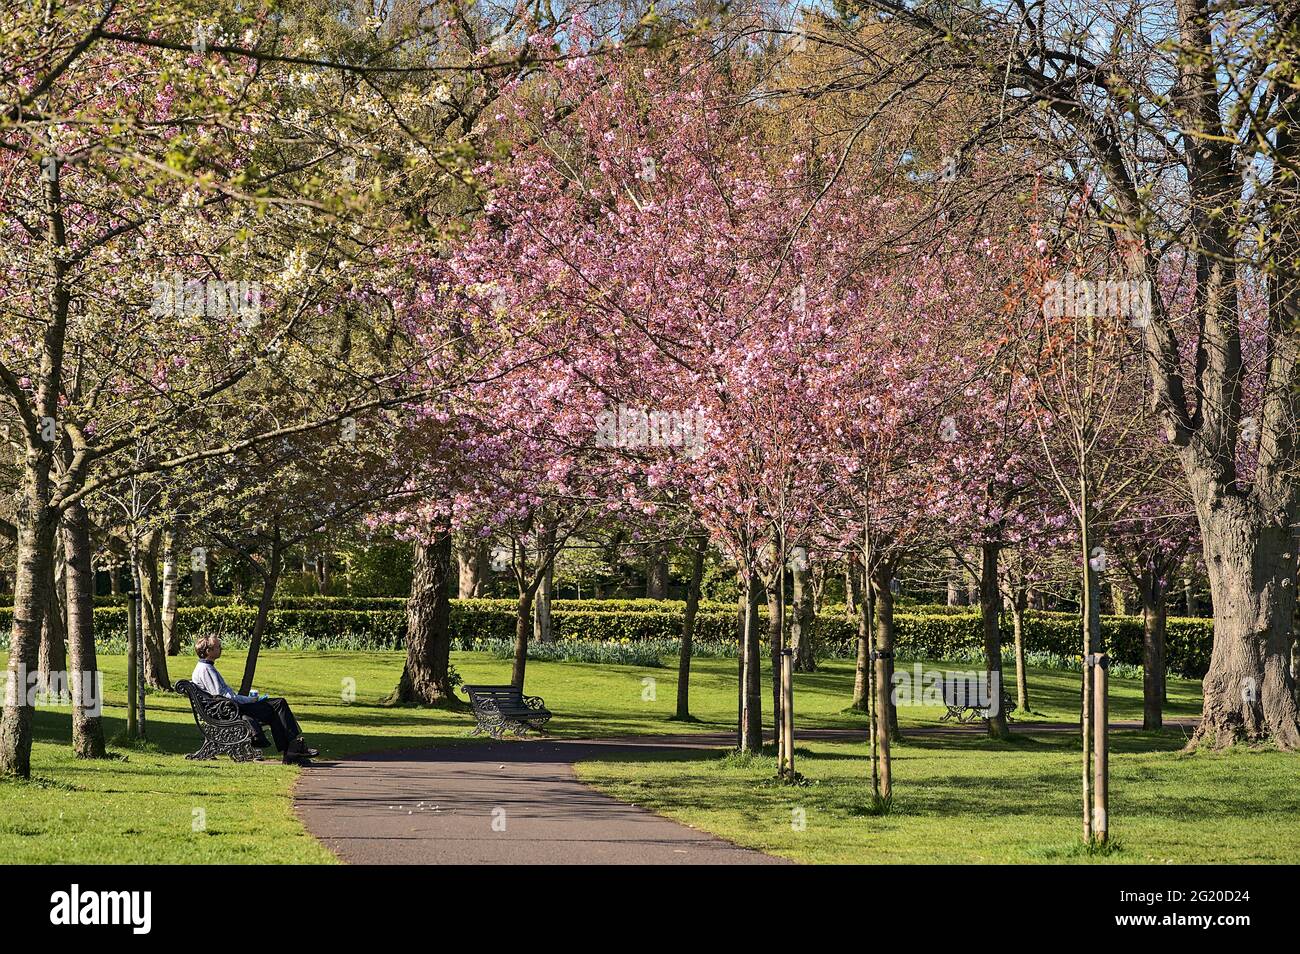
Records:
x=520, y=802
x=509, y=802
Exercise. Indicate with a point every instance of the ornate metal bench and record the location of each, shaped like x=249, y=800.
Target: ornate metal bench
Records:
x=967, y=699
x=224, y=729
x=501, y=709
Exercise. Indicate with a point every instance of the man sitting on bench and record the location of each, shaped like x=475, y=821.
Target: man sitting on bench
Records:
x=262, y=710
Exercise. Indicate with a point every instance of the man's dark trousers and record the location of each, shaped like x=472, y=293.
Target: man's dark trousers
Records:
x=277, y=714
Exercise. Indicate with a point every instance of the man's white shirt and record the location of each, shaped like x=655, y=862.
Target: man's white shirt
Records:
x=209, y=680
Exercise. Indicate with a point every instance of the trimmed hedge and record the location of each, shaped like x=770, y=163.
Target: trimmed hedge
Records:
x=399, y=603
x=905, y=605
x=942, y=635
x=918, y=635
x=352, y=629
x=386, y=629
x=282, y=602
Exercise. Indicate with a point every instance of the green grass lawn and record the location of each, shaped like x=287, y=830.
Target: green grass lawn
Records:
x=974, y=800
x=957, y=799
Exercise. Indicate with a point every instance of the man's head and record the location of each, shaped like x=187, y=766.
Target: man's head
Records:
x=208, y=647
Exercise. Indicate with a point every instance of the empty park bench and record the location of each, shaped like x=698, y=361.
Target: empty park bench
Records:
x=967, y=698
x=501, y=709
x=224, y=729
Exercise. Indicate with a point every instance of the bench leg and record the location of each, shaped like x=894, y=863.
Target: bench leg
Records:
x=206, y=751
x=244, y=752
x=487, y=725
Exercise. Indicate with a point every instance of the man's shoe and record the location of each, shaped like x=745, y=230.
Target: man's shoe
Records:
x=298, y=752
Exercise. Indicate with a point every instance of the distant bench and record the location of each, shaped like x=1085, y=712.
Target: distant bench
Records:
x=501, y=709
x=967, y=698
x=224, y=730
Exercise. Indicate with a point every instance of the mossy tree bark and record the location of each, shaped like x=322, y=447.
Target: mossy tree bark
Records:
x=426, y=676
x=803, y=631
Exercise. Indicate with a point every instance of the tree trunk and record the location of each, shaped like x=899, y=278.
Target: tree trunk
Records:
x=972, y=585
x=270, y=579
x=883, y=598
x=155, y=648
x=774, y=646
x=87, y=723
x=115, y=580
x=170, y=590
x=426, y=677
x=1249, y=694
x=543, y=629
x=956, y=582
x=31, y=579
x=36, y=520
x=861, y=677
x=742, y=637
x=688, y=629
x=1118, y=599
x=805, y=622
x=886, y=715
x=852, y=587
x=1091, y=619
x=1018, y=607
x=753, y=734
x=199, y=579
x=528, y=593
x=321, y=571
x=817, y=578
x=656, y=574
x=523, y=628
x=1154, y=612
x=471, y=562
x=52, y=664
x=1295, y=667
x=991, y=618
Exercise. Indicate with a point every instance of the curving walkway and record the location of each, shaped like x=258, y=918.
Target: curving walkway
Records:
x=497, y=803
x=519, y=802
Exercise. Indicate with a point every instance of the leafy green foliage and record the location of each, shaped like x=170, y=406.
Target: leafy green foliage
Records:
x=344, y=622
